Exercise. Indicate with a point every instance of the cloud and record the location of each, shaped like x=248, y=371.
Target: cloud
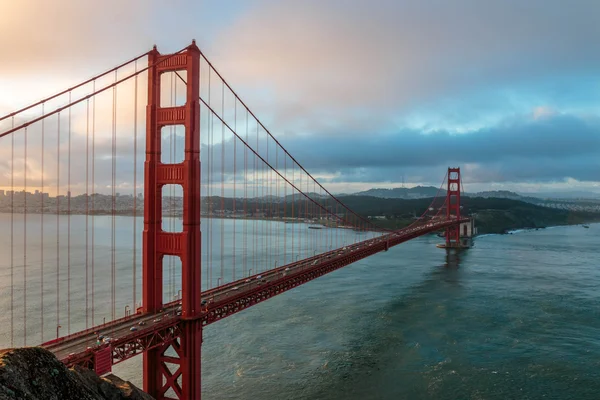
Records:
x=361, y=92
x=519, y=150
x=340, y=61
x=542, y=112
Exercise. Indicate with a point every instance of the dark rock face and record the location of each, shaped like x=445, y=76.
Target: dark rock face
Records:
x=35, y=374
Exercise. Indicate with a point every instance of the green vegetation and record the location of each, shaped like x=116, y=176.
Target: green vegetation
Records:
x=492, y=215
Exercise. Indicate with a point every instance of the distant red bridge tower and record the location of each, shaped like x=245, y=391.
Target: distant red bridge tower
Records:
x=453, y=207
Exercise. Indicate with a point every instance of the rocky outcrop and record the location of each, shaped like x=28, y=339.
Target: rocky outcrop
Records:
x=34, y=373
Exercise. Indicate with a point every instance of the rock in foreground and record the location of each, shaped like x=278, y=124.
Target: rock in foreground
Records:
x=34, y=373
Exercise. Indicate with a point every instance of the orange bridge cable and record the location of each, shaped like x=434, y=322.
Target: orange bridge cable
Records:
x=234, y=184
x=25, y=242
x=245, y=237
x=58, y=224
x=300, y=210
x=279, y=144
x=14, y=113
x=69, y=223
x=87, y=208
x=427, y=209
x=211, y=67
x=277, y=172
x=209, y=188
x=265, y=224
x=42, y=234
x=222, y=273
x=93, y=94
x=255, y=208
x=264, y=209
x=93, y=201
x=285, y=212
x=113, y=202
x=278, y=204
x=293, y=221
x=12, y=236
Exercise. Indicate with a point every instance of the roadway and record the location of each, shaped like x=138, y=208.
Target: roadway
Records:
x=76, y=344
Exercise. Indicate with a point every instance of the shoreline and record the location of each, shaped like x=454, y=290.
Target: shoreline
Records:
x=325, y=224
x=526, y=230
x=288, y=220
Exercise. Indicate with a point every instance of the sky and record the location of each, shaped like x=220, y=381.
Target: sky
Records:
x=363, y=93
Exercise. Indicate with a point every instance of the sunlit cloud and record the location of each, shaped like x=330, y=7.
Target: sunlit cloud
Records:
x=363, y=93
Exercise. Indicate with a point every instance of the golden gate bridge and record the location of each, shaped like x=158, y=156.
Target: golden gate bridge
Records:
x=131, y=142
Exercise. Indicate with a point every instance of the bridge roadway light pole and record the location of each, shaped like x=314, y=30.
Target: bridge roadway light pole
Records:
x=184, y=382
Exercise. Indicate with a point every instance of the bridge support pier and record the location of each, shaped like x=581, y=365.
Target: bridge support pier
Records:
x=174, y=369
x=191, y=343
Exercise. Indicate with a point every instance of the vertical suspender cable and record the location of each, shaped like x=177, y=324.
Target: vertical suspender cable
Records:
x=301, y=216
x=277, y=197
x=42, y=234
x=222, y=274
x=12, y=236
x=210, y=172
x=293, y=221
x=135, y=138
x=268, y=207
x=255, y=208
x=234, y=181
x=25, y=240
x=87, y=208
x=308, y=216
x=58, y=223
x=285, y=210
x=114, y=195
x=93, y=195
x=245, y=237
x=69, y=224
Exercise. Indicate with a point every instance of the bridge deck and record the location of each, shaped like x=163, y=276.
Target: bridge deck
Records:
x=155, y=329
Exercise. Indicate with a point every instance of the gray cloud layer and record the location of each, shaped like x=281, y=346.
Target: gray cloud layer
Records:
x=351, y=86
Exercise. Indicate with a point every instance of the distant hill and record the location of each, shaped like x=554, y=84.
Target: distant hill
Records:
x=417, y=192
x=565, y=195
x=421, y=192
x=498, y=194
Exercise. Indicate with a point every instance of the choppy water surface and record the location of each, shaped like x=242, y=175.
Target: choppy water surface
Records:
x=515, y=317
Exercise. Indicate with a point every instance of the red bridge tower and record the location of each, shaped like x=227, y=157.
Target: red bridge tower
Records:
x=185, y=353
x=453, y=207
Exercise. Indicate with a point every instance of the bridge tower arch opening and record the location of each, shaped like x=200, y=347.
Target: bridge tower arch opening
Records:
x=173, y=368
